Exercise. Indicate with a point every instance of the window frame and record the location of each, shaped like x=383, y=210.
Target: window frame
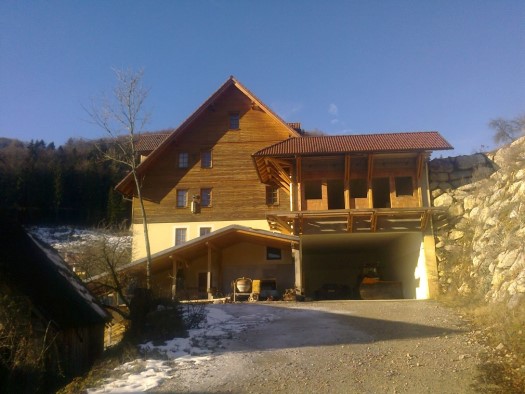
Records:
x=178, y=198
x=202, y=200
x=183, y=160
x=184, y=231
x=205, y=153
x=272, y=195
x=234, y=120
x=272, y=255
x=207, y=230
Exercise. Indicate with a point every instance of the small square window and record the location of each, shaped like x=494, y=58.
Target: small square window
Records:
x=184, y=160
x=234, y=121
x=206, y=197
x=180, y=236
x=273, y=253
x=272, y=195
x=206, y=161
x=204, y=231
x=182, y=198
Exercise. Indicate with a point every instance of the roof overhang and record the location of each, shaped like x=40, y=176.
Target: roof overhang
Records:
x=216, y=240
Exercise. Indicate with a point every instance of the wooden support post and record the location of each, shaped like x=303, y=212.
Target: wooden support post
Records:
x=299, y=180
x=369, y=180
x=173, y=278
x=347, y=182
x=208, y=276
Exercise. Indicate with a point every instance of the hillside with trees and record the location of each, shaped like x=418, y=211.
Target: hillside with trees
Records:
x=71, y=184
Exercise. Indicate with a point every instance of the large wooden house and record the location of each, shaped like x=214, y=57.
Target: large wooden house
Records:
x=237, y=192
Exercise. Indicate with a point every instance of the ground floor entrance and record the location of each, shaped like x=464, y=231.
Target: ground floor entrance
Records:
x=364, y=266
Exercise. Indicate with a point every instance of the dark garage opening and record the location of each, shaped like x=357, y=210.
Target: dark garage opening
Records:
x=334, y=266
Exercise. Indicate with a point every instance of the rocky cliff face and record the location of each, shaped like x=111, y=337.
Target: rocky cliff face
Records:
x=480, y=234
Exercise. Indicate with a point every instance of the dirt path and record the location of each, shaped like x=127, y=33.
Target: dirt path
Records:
x=340, y=347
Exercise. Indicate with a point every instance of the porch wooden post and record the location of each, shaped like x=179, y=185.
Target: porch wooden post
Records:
x=173, y=279
x=347, y=182
x=296, y=254
x=299, y=183
x=208, y=276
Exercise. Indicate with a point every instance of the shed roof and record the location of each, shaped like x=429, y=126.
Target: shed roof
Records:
x=37, y=271
x=359, y=143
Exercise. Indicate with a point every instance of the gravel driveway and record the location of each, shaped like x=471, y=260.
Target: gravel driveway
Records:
x=340, y=347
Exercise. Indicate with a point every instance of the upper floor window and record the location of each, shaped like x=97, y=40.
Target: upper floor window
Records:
x=272, y=195
x=206, y=161
x=234, y=120
x=206, y=197
x=184, y=160
x=404, y=186
x=182, y=198
x=180, y=236
x=204, y=231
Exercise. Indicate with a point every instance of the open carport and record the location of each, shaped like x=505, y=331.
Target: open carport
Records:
x=334, y=265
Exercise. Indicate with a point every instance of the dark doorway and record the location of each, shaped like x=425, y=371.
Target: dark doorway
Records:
x=336, y=194
x=381, y=192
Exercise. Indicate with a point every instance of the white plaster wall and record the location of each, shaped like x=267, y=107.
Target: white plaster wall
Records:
x=162, y=235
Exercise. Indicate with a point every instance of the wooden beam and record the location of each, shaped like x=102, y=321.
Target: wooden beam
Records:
x=349, y=223
x=299, y=181
x=174, y=279
x=347, y=182
x=283, y=224
x=370, y=168
x=420, y=166
x=424, y=219
x=369, y=180
x=208, y=274
x=373, y=222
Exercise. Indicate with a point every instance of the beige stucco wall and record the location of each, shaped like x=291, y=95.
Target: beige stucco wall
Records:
x=162, y=235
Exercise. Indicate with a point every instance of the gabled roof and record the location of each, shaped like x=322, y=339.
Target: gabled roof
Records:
x=363, y=143
x=127, y=187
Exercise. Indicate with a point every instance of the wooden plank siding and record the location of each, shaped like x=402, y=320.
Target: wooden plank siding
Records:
x=236, y=189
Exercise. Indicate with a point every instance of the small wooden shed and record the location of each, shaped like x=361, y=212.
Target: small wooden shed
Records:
x=61, y=307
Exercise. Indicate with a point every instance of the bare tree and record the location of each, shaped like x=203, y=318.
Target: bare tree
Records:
x=99, y=263
x=506, y=131
x=123, y=117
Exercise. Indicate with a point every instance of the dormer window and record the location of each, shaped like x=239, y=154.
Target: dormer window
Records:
x=234, y=121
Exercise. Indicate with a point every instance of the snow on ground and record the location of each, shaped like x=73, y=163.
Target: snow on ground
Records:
x=69, y=239
x=160, y=361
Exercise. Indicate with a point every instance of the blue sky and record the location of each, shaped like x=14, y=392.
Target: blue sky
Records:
x=343, y=67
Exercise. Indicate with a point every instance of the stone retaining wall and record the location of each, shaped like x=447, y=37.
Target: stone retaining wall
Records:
x=480, y=234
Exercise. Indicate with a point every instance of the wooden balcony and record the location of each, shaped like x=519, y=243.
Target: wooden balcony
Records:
x=350, y=220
